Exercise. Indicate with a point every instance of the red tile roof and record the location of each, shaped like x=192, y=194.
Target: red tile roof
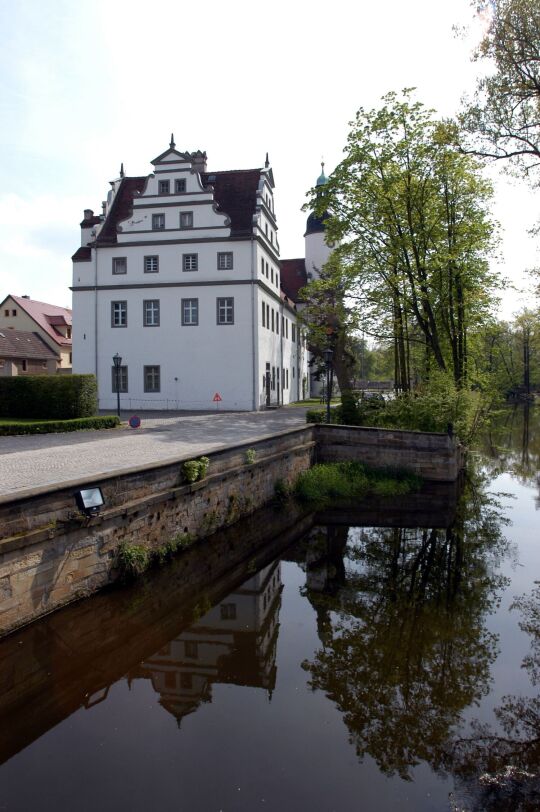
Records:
x=235, y=192
x=121, y=208
x=293, y=277
x=23, y=344
x=40, y=312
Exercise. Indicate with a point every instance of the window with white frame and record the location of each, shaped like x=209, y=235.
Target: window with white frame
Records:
x=152, y=375
x=119, y=379
x=180, y=186
x=119, y=314
x=225, y=260
x=225, y=310
x=186, y=219
x=119, y=265
x=158, y=222
x=190, y=312
x=164, y=187
x=151, y=312
x=151, y=264
x=190, y=262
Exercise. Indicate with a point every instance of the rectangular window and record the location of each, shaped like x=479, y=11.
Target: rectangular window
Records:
x=293, y=332
x=263, y=315
x=151, y=264
x=272, y=275
x=225, y=310
x=190, y=262
x=151, y=312
x=24, y=366
x=273, y=326
x=283, y=325
x=6, y=313
x=158, y=222
x=262, y=266
x=164, y=187
x=119, y=265
x=13, y=312
x=287, y=373
x=118, y=314
x=273, y=377
x=267, y=270
x=122, y=379
x=186, y=219
x=152, y=379
x=228, y=611
x=190, y=312
x=225, y=261
x=191, y=649
x=268, y=316
x=180, y=186
x=277, y=323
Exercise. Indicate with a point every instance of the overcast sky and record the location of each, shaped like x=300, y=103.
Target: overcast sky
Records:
x=85, y=86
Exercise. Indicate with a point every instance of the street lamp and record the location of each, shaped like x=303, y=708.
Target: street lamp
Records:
x=117, y=361
x=328, y=354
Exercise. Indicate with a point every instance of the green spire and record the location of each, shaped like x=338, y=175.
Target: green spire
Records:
x=322, y=179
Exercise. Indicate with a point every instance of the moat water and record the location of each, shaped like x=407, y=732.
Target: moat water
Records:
x=385, y=664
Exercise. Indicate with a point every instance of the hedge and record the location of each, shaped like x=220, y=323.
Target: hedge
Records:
x=48, y=397
x=108, y=421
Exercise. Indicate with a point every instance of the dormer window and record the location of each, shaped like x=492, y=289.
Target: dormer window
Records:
x=164, y=187
x=186, y=219
x=180, y=186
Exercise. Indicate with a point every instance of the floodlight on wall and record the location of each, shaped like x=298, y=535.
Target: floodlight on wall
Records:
x=90, y=500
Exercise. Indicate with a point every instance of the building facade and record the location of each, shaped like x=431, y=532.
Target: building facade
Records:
x=180, y=275
x=51, y=323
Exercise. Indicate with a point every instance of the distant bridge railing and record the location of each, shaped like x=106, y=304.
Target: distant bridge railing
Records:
x=374, y=386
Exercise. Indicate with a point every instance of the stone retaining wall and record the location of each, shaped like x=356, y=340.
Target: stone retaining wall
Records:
x=51, y=555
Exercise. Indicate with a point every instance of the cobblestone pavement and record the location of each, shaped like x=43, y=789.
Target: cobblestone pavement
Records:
x=37, y=461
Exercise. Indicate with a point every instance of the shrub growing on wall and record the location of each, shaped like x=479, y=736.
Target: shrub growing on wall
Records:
x=48, y=397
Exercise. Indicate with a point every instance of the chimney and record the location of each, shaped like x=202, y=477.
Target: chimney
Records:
x=198, y=160
x=25, y=296
x=88, y=214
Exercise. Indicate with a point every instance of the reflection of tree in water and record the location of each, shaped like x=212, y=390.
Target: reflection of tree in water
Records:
x=513, y=443
x=500, y=768
x=405, y=649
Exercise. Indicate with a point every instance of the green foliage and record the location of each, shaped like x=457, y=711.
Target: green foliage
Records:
x=132, y=560
x=251, y=455
x=282, y=490
x=503, y=115
x=327, y=483
x=54, y=397
x=13, y=427
x=194, y=470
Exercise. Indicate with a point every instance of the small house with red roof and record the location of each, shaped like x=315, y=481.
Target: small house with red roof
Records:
x=50, y=322
x=180, y=276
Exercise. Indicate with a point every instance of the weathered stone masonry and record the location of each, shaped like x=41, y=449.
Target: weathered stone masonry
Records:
x=50, y=555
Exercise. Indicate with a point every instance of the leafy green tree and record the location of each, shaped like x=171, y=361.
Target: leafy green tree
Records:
x=409, y=214
x=503, y=118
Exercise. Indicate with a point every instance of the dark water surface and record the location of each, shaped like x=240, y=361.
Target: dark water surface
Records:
x=382, y=659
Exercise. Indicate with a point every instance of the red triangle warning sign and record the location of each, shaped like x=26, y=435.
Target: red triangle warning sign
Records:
x=217, y=397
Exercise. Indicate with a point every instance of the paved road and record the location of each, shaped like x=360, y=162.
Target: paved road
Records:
x=37, y=461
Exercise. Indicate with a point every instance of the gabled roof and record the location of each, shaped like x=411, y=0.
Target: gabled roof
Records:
x=41, y=312
x=120, y=209
x=235, y=192
x=23, y=344
x=293, y=277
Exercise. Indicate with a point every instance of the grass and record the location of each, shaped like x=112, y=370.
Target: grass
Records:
x=327, y=483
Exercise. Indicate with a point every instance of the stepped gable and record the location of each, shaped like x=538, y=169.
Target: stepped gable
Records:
x=293, y=277
x=235, y=192
x=121, y=208
x=47, y=316
x=23, y=344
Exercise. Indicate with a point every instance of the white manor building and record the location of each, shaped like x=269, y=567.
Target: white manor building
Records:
x=180, y=275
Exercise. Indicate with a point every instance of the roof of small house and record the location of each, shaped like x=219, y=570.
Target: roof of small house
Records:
x=46, y=316
x=23, y=344
x=293, y=277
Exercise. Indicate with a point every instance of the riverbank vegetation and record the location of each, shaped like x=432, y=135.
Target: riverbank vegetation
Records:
x=328, y=483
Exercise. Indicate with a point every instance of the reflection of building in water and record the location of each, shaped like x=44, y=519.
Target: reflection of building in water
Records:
x=235, y=642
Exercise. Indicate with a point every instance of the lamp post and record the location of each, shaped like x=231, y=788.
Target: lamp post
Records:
x=117, y=361
x=328, y=354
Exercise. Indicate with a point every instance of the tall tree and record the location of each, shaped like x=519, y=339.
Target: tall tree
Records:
x=409, y=213
x=504, y=115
